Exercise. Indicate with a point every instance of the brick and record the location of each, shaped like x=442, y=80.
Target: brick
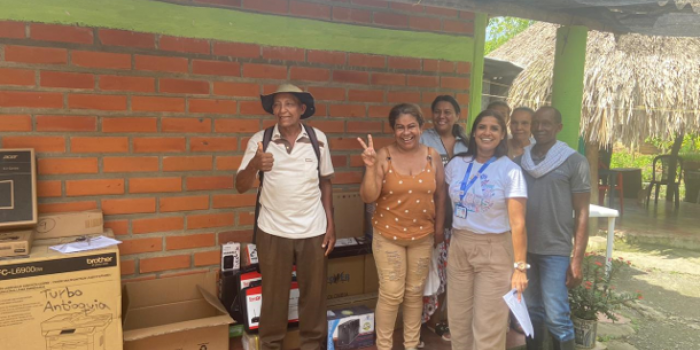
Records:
x=279, y=7
x=468, y=15
x=129, y=164
x=458, y=27
x=15, y=123
x=99, y=144
x=12, y=30
x=378, y=111
x=138, y=246
x=372, y=3
x=42, y=144
x=366, y=95
x=446, y=67
x=183, y=86
x=464, y=67
x=329, y=126
x=236, y=89
x=65, y=123
x=190, y=241
x=159, y=144
x=49, y=188
x=429, y=97
x=210, y=220
x=158, y=224
x=161, y=64
x=246, y=219
x=192, y=163
x=187, y=45
x=21, y=77
x=129, y=124
x=27, y=99
x=127, y=267
x=423, y=81
x=389, y=19
x=388, y=79
x=305, y=9
x=237, y=125
x=61, y=33
x=99, y=102
x=405, y=63
x=431, y=65
x=344, y=143
x=415, y=7
x=454, y=83
x=127, y=38
x=128, y=206
x=147, y=265
x=67, y=80
x=36, y=55
x=66, y=207
x=218, y=68
x=155, y=185
x=226, y=3
x=188, y=125
x=126, y=83
x=344, y=14
x=347, y=110
x=212, y=106
x=339, y=161
x=403, y=96
x=62, y=166
x=202, y=183
x=356, y=161
x=171, y=204
x=283, y=53
x=119, y=227
x=310, y=74
x=264, y=71
x=327, y=93
x=352, y=77
x=370, y=61
x=157, y=104
x=228, y=162
x=251, y=108
x=105, y=60
x=212, y=257
x=463, y=100
x=213, y=144
x=346, y=178
x=321, y=110
x=364, y=127
x=241, y=50
x=226, y=201
x=94, y=187
x=245, y=236
x=425, y=23
x=326, y=57
x=439, y=11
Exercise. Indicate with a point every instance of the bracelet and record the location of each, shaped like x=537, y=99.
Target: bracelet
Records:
x=521, y=266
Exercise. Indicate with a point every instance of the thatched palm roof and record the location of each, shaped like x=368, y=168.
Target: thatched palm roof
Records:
x=634, y=88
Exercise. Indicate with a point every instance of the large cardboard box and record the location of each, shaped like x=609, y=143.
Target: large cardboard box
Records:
x=175, y=313
x=350, y=328
x=69, y=224
x=371, y=276
x=54, y=301
x=349, y=214
x=346, y=276
x=16, y=243
x=17, y=187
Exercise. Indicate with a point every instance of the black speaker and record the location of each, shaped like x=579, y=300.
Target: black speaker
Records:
x=17, y=187
x=348, y=331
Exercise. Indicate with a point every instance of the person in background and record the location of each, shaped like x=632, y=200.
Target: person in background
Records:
x=520, y=122
x=406, y=180
x=558, y=181
x=500, y=107
x=447, y=138
x=489, y=196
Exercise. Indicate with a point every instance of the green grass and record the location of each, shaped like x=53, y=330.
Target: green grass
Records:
x=230, y=25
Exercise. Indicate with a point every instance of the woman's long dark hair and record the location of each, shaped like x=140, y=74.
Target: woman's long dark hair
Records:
x=457, y=130
x=502, y=148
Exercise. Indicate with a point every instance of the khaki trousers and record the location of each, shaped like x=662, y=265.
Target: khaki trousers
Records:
x=403, y=268
x=479, y=272
x=277, y=256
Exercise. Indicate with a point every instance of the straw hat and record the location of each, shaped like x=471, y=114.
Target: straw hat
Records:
x=304, y=97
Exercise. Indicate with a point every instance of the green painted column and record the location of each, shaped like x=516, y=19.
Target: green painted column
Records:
x=567, y=85
x=477, y=72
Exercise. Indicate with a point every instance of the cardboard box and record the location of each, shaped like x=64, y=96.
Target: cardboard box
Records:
x=371, y=276
x=346, y=276
x=349, y=214
x=54, y=301
x=369, y=300
x=70, y=224
x=291, y=340
x=230, y=256
x=16, y=243
x=175, y=313
x=17, y=187
x=350, y=328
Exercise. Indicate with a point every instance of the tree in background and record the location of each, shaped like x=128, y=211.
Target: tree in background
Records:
x=502, y=29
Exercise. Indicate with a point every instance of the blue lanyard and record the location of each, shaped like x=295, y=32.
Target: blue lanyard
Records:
x=466, y=186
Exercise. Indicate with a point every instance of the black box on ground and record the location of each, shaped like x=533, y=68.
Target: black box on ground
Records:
x=17, y=187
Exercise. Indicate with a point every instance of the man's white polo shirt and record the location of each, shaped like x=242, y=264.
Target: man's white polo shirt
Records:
x=291, y=199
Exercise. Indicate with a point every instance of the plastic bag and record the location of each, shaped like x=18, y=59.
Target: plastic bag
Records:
x=432, y=284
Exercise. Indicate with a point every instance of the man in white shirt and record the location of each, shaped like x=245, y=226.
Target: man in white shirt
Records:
x=295, y=224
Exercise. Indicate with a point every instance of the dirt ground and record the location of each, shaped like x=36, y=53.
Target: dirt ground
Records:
x=668, y=316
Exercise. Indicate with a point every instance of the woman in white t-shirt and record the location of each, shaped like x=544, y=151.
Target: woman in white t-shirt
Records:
x=489, y=195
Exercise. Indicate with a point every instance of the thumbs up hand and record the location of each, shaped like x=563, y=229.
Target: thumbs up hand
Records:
x=262, y=161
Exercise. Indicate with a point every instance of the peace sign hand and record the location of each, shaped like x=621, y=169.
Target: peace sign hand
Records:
x=369, y=156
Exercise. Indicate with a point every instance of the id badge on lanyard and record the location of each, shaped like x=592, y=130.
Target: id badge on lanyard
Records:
x=461, y=209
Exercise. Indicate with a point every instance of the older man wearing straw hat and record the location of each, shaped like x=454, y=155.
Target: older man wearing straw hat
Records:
x=294, y=219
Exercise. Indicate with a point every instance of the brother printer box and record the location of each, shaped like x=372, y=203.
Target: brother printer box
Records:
x=350, y=328
x=78, y=223
x=51, y=300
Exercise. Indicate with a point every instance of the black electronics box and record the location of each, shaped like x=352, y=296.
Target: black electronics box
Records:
x=18, y=205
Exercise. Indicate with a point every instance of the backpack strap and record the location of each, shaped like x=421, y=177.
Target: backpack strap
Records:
x=267, y=137
x=316, y=146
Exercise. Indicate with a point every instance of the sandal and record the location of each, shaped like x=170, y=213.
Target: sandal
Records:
x=443, y=330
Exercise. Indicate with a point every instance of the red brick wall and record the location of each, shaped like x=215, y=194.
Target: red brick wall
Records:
x=151, y=128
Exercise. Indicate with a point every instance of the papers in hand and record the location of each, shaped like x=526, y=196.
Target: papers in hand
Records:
x=519, y=309
x=85, y=243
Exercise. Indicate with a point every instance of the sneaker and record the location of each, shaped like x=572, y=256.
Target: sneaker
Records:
x=420, y=345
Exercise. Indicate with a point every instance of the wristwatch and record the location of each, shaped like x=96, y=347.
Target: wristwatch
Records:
x=521, y=266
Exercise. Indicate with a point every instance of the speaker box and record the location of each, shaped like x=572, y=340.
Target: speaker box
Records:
x=17, y=187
